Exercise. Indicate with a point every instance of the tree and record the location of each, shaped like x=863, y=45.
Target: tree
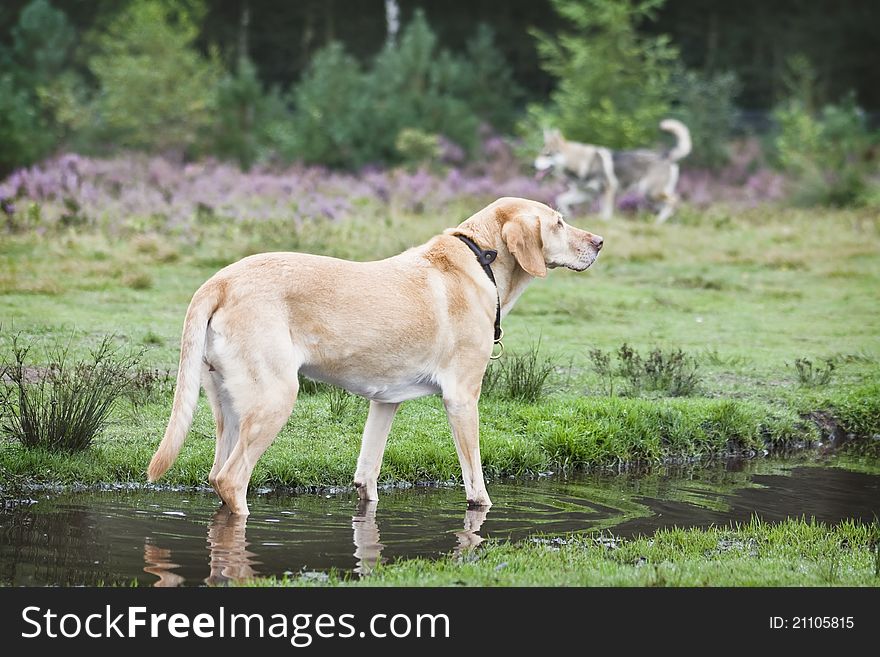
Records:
x=486, y=81
x=414, y=92
x=35, y=85
x=613, y=84
x=157, y=92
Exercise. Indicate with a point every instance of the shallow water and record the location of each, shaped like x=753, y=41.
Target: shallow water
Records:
x=174, y=538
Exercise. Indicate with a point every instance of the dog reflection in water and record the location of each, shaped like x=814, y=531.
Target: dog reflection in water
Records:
x=368, y=546
x=231, y=560
x=227, y=542
x=159, y=563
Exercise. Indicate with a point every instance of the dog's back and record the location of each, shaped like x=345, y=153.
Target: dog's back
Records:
x=635, y=165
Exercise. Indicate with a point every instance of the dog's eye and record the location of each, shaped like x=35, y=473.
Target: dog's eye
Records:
x=559, y=223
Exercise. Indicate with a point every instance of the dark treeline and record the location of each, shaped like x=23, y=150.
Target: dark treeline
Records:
x=752, y=38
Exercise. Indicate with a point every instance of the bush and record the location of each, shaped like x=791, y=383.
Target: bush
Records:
x=415, y=85
x=157, y=93
x=486, y=82
x=329, y=124
x=829, y=151
x=810, y=376
x=672, y=373
x=417, y=147
x=34, y=89
x=243, y=112
x=23, y=130
x=345, y=115
x=828, y=154
x=705, y=104
x=613, y=83
x=62, y=407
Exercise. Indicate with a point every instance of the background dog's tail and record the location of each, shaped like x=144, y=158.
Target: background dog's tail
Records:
x=186, y=392
x=683, y=138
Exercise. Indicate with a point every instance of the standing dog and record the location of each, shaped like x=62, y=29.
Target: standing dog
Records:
x=593, y=169
x=419, y=323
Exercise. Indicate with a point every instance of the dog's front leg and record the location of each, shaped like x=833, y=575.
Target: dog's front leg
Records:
x=376, y=430
x=464, y=418
x=608, y=199
x=611, y=184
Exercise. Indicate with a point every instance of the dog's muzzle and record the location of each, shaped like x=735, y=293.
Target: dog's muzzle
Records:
x=542, y=163
x=587, y=256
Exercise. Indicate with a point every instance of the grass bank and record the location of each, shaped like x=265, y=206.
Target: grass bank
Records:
x=562, y=432
x=744, y=295
x=792, y=553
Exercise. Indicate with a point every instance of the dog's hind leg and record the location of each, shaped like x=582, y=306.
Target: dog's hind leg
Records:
x=259, y=426
x=669, y=197
x=369, y=462
x=611, y=184
x=263, y=390
x=225, y=418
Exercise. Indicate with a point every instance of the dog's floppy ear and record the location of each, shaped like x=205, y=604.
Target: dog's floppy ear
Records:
x=523, y=240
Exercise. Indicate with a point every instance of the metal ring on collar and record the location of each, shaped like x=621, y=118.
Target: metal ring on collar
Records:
x=500, y=353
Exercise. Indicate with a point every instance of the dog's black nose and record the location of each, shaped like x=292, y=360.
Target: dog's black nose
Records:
x=597, y=242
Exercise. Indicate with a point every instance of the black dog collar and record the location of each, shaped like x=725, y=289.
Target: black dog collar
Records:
x=486, y=258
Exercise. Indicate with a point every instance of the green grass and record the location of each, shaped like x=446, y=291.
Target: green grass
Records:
x=319, y=447
x=791, y=553
x=746, y=295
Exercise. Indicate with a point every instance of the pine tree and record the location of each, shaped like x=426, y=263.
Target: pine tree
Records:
x=613, y=83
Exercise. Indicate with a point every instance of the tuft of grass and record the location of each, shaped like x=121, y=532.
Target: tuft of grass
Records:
x=861, y=357
x=672, y=373
x=521, y=377
x=492, y=379
x=340, y=402
x=64, y=405
x=152, y=338
x=146, y=244
x=813, y=377
x=138, y=281
x=145, y=385
x=712, y=357
x=311, y=387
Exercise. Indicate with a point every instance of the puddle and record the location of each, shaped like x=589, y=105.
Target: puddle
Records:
x=174, y=538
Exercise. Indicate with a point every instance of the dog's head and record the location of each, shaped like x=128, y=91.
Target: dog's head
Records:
x=539, y=238
x=551, y=156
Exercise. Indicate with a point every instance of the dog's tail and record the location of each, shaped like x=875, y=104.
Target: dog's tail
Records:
x=186, y=393
x=683, y=139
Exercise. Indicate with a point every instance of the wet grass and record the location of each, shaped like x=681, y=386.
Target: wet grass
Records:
x=791, y=553
x=740, y=296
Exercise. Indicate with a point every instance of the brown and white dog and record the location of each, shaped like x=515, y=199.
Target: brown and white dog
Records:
x=593, y=169
x=419, y=323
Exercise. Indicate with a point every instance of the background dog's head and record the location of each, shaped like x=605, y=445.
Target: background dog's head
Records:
x=551, y=155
